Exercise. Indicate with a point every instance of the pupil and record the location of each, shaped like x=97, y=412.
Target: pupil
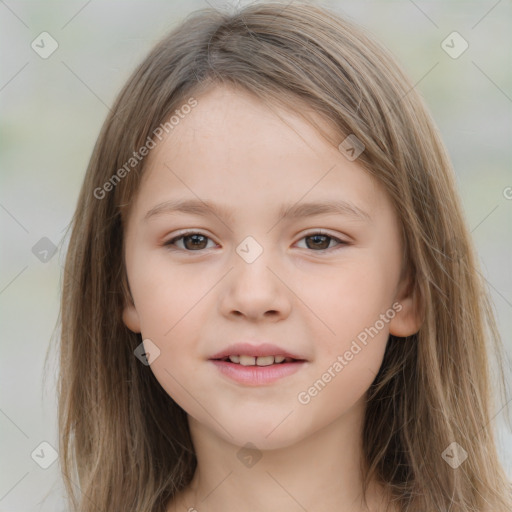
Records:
x=196, y=243
x=324, y=237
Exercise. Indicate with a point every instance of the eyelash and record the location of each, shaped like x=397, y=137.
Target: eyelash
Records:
x=170, y=243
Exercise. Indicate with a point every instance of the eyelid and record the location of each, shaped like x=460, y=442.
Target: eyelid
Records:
x=319, y=231
x=184, y=232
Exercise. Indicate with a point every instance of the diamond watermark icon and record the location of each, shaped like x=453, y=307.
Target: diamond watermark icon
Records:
x=454, y=45
x=44, y=455
x=44, y=250
x=249, y=249
x=44, y=45
x=455, y=455
x=249, y=455
x=147, y=352
x=351, y=147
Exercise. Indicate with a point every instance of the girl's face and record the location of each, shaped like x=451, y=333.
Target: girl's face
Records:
x=321, y=283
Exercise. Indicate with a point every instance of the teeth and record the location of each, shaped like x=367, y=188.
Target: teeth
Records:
x=257, y=361
x=247, y=360
x=265, y=360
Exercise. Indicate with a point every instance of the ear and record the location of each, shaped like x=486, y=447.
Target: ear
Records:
x=131, y=317
x=409, y=317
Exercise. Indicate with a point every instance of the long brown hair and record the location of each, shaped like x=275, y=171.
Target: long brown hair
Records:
x=124, y=443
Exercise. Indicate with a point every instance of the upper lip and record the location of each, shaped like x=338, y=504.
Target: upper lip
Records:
x=262, y=349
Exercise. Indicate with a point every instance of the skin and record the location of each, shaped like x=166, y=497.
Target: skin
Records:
x=234, y=151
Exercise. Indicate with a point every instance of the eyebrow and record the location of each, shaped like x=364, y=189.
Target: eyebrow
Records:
x=294, y=211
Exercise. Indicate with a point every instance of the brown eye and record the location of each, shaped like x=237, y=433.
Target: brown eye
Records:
x=320, y=241
x=191, y=242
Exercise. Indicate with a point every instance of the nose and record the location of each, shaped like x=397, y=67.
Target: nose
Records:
x=256, y=290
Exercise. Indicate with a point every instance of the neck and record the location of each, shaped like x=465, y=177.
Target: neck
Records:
x=319, y=473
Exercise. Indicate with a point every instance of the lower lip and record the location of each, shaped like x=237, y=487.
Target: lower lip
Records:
x=257, y=375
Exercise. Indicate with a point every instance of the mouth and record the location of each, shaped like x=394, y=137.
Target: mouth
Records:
x=262, y=354
x=260, y=365
x=245, y=360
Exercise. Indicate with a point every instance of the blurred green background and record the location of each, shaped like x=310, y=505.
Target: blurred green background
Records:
x=51, y=113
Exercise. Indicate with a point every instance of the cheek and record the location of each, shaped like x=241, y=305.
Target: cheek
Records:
x=173, y=323
x=355, y=304
x=170, y=304
x=177, y=370
x=349, y=358
x=164, y=295
x=352, y=300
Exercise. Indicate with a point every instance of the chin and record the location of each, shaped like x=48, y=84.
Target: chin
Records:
x=266, y=434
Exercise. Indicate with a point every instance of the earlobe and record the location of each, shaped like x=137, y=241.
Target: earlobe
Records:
x=409, y=314
x=131, y=318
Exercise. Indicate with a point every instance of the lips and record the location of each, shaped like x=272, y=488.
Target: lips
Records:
x=257, y=365
x=245, y=351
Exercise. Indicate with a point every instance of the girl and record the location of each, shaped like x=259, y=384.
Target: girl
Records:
x=271, y=300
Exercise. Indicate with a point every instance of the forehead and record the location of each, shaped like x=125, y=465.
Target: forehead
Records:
x=232, y=148
x=247, y=121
